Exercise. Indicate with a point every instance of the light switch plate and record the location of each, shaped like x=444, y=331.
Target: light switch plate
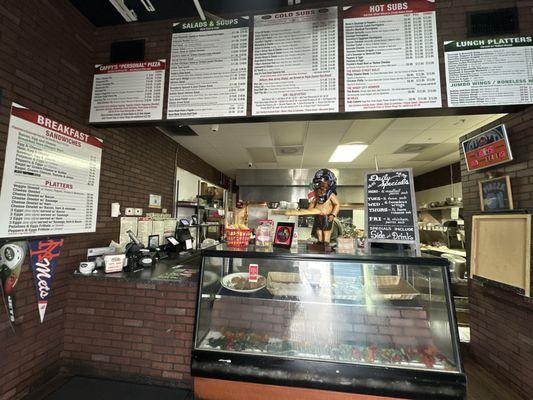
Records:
x=129, y=211
x=138, y=211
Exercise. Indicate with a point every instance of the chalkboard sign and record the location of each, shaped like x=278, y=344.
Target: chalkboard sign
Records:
x=495, y=194
x=390, y=207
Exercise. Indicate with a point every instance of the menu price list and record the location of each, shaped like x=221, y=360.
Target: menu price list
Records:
x=487, y=72
x=295, y=62
x=51, y=177
x=128, y=91
x=391, y=57
x=389, y=206
x=208, y=69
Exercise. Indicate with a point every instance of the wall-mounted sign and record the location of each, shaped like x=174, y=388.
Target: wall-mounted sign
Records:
x=130, y=91
x=154, y=201
x=295, y=62
x=495, y=194
x=391, y=56
x=489, y=72
x=43, y=261
x=51, y=177
x=487, y=149
x=208, y=69
x=390, y=207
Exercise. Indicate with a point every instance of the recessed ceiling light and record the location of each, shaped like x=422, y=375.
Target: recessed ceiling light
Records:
x=347, y=152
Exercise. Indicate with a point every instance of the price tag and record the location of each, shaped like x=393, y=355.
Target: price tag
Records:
x=253, y=272
x=188, y=244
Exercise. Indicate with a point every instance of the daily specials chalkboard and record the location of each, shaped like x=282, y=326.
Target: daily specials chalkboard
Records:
x=390, y=207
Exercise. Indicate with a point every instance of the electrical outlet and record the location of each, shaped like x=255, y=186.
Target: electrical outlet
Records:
x=138, y=211
x=129, y=211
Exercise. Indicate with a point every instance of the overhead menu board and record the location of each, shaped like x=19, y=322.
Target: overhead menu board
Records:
x=131, y=91
x=391, y=56
x=489, y=72
x=390, y=207
x=51, y=177
x=295, y=65
x=208, y=69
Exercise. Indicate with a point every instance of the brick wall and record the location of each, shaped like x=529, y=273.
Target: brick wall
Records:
x=501, y=322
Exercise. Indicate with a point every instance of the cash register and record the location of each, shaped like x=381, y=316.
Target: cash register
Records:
x=183, y=236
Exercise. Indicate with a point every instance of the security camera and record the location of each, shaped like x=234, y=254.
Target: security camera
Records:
x=214, y=128
x=250, y=165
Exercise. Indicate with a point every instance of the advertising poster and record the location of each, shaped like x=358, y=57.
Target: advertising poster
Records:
x=489, y=72
x=391, y=59
x=130, y=91
x=43, y=262
x=295, y=62
x=12, y=256
x=208, y=69
x=51, y=177
x=487, y=149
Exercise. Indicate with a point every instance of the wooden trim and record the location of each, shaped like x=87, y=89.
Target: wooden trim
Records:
x=218, y=389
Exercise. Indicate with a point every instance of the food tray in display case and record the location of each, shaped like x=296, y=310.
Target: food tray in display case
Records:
x=351, y=323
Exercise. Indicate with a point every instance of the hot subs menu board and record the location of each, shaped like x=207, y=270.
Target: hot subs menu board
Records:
x=295, y=65
x=131, y=91
x=390, y=207
x=51, y=177
x=391, y=57
x=208, y=69
x=489, y=72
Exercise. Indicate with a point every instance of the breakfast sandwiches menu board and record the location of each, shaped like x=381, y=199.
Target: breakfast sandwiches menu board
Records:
x=391, y=57
x=489, y=72
x=208, y=69
x=295, y=67
x=51, y=177
x=130, y=91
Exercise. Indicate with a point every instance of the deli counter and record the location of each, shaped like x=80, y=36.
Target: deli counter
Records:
x=358, y=324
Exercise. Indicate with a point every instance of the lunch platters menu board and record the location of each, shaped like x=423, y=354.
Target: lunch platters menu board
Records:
x=489, y=72
x=390, y=207
x=295, y=66
x=51, y=177
x=130, y=91
x=208, y=69
x=391, y=57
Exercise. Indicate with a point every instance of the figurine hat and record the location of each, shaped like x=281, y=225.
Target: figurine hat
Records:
x=327, y=176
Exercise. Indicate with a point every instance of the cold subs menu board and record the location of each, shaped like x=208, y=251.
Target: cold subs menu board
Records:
x=131, y=91
x=489, y=72
x=390, y=207
x=295, y=65
x=51, y=177
x=391, y=57
x=208, y=69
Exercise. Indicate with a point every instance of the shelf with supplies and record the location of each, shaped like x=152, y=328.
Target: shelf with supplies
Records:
x=440, y=208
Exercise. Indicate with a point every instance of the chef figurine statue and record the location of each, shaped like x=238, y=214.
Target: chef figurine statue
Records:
x=324, y=205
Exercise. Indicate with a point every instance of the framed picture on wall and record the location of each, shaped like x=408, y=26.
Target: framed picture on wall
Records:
x=283, y=235
x=495, y=194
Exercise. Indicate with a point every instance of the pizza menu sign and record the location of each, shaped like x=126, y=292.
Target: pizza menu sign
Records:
x=51, y=177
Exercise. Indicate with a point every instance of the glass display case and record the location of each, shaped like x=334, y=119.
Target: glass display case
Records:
x=380, y=324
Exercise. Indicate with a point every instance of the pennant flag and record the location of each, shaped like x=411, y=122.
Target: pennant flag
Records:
x=43, y=261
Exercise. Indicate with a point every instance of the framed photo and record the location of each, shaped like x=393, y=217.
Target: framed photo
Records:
x=487, y=149
x=283, y=235
x=495, y=194
x=153, y=241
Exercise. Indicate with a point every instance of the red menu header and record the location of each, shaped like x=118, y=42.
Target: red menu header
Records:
x=130, y=67
x=394, y=8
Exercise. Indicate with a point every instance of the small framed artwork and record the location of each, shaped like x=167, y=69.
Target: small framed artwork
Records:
x=153, y=241
x=495, y=194
x=283, y=235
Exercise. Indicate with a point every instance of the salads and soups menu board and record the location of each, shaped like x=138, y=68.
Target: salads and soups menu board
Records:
x=130, y=91
x=51, y=177
x=295, y=62
x=391, y=56
x=208, y=69
x=489, y=72
x=390, y=207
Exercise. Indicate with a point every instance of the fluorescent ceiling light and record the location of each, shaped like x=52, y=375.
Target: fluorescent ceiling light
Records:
x=127, y=14
x=148, y=5
x=347, y=152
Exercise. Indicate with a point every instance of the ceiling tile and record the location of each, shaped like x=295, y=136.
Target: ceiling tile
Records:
x=326, y=131
x=436, y=152
x=288, y=133
x=365, y=130
x=261, y=154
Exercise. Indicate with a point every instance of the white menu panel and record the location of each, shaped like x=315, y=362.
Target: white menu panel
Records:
x=391, y=57
x=489, y=72
x=208, y=69
x=130, y=91
x=51, y=177
x=295, y=63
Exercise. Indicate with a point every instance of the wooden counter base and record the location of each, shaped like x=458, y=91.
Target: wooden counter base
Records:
x=217, y=389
